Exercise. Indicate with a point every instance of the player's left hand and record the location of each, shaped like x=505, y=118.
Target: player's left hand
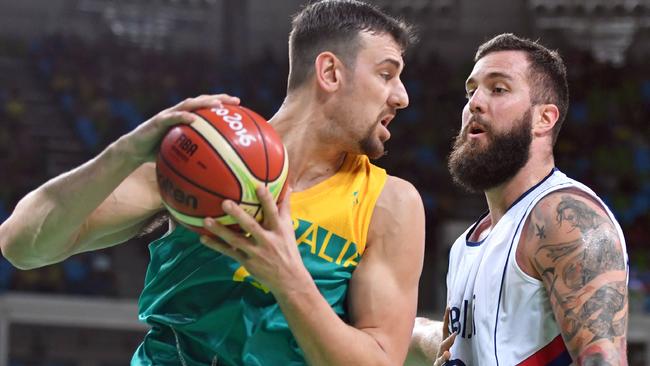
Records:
x=269, y=253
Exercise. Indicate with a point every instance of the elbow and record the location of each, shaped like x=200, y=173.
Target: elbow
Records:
x=13, y=257
x=21, y=237
x=13, y=252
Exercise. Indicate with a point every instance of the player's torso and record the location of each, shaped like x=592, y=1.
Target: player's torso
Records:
x=502, y=315
x=205, y=304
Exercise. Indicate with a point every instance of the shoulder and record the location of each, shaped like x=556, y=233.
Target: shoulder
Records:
x=574, y=248
x=398, y=192
x=566, y=226
x=399, y=210
x=568, y=213
x=398, y=201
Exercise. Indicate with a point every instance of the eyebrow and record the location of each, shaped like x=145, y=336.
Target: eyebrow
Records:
x=391, y=61
x=492, y=75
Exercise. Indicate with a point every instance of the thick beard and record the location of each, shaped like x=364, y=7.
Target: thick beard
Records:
x=371, y=145
x=478, y=169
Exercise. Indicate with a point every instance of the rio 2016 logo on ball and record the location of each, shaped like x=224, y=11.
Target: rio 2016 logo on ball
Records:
x=224, y=154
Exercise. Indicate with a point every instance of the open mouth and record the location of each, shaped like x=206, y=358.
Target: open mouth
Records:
x=475, y=129
x=386, y=120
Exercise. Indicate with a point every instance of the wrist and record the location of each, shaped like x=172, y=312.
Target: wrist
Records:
x=126, y=152
x=300, y=285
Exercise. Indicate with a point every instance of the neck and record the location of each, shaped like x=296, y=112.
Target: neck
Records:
x=500, y=198
x=300, y=122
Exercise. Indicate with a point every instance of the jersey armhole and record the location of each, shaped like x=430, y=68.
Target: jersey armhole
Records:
x=525, y=276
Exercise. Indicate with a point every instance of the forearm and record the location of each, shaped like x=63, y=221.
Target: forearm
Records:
x=45, y=224
x=425, y=341
x=595, y=336
x=604, y=352
x=323, y=336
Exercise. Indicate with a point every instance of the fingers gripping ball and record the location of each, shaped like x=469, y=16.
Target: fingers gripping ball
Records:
x=224, y=154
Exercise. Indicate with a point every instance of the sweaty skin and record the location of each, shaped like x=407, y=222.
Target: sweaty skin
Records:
x=573, y=247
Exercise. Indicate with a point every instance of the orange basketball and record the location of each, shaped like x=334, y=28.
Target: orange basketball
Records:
x=224, y=154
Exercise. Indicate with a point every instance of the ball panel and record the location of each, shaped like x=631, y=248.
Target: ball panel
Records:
x=184, y=196
x=277, y=186
x=190, y=153
x=273, y=144
x=224, y=153
x=247, y=181
x=240, y=132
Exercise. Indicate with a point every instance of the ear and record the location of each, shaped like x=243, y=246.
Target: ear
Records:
x=548, y=116
x=328, y=71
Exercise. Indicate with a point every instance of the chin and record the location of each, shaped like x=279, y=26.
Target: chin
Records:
x=372, y=147
x=476, y=146
x=374, y=152
x=376, y=155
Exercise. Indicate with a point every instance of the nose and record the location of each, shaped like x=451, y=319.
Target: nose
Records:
x=477, y=102
x=399, y=98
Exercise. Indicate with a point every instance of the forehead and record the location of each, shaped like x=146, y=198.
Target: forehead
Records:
x=378, y=47
x=508, y=64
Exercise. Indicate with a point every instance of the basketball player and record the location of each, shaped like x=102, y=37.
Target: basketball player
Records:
x=329, y=278
x=541, y=278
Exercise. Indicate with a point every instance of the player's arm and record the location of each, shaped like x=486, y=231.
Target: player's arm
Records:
x=574, y=248
x=101, y=203
x=425, y=342
x=78, y=211
x=382, y=298
x=430, y=342
x=384, y=288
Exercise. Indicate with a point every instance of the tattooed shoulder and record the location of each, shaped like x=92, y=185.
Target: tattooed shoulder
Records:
x=578, y=214
x=580, y=259
x=576, y=233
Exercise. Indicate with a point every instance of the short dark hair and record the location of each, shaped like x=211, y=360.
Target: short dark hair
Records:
x=335, y=25
x=546, y=73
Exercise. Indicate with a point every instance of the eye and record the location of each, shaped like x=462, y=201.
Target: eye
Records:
x=469, y=93
x=386, y=75
x=499, y=90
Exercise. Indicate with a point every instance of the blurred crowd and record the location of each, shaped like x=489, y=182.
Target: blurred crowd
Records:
x=105, y=89
x=12, y=112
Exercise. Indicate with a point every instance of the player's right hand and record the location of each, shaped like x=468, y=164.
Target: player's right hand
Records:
x=448, y=340
x=142, y=143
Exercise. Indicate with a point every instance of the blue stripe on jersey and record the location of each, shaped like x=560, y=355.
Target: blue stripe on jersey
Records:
x=503, y=277
x=505, y=267
x=471, y=230
x=564, y=359
x=533, y=188
x=474, y=243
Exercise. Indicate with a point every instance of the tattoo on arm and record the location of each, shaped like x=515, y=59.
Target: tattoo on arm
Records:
x=540, y=232
x=586, y=281
x=578, y=214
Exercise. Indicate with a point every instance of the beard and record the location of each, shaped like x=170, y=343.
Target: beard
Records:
x=371, y=145
x=477, y=168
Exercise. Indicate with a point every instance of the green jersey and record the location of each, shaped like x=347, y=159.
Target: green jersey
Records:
x=204, y=308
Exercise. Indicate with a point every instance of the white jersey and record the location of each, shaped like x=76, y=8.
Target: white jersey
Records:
x=502, y=315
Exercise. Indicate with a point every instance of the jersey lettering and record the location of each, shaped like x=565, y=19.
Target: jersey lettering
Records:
x=316, y=241
x=461, y=319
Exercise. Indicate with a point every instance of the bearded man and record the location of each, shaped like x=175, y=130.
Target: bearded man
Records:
x=541, y=277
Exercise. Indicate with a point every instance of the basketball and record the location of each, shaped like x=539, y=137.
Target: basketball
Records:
x=224, y=154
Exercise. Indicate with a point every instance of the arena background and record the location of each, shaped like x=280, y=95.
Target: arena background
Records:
x=75, y=74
